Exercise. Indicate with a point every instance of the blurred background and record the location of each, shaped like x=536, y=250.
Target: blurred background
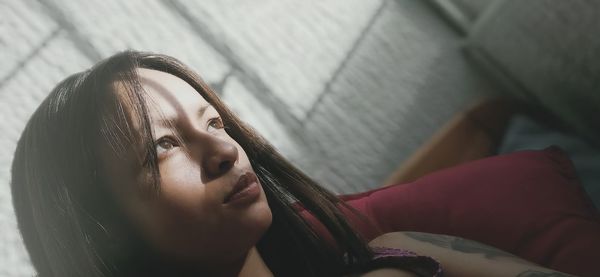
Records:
x=346, y=89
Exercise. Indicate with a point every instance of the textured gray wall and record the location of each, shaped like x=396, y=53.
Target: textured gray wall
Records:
x=346, y=89
x=550, y=52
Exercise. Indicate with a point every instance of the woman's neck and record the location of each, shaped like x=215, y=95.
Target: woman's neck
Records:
x=254, y=266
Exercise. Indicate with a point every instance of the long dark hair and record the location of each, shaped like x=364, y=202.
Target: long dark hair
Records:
x=70, y=223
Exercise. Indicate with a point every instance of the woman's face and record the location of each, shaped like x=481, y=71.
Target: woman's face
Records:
x=211, y=208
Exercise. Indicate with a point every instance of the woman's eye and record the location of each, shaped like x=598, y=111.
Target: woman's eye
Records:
x=164, y=145
x=216, y=123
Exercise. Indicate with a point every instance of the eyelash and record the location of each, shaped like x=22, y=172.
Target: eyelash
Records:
x=166, y=139
x=217, y=120
x=173, y=142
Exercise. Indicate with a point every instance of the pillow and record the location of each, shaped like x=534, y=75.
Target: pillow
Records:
x=529, y=203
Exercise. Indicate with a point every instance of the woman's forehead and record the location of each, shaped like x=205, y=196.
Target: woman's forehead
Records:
x=169, y=96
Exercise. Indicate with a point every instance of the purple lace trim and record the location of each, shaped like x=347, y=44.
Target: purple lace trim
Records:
x=406, y=260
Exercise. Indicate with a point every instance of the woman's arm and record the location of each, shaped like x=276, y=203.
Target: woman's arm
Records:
x=462, y=257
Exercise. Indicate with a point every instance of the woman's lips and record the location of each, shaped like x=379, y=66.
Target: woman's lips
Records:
x=245, y=190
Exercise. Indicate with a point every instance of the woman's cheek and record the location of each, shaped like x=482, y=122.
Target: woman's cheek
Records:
x=181, y=169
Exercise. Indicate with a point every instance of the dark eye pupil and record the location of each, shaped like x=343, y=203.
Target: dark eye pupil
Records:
x=165, y=145
x=216, y=123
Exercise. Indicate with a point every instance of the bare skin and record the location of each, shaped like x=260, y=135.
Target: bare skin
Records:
x=255, y=266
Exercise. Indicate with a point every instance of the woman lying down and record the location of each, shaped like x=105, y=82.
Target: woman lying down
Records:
x=136, y=168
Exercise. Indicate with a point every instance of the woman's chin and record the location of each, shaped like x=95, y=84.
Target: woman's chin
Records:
x=260, y=214
x=259, y=218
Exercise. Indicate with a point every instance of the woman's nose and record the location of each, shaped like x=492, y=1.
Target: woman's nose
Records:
x=219, y=158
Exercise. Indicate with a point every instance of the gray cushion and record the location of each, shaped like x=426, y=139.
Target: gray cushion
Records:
x=548, y=51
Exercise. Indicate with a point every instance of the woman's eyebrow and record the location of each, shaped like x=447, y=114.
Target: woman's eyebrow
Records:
x=203, y=109
x=171, y=121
